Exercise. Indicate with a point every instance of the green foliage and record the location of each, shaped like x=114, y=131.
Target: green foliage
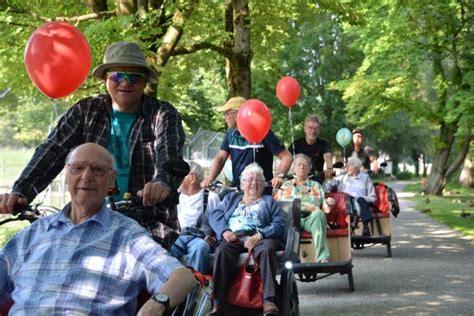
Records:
x=405, y=175
x=8, y=230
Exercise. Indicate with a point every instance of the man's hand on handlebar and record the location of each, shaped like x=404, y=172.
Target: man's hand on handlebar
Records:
x=276, y=182
x=206, y=183
x=8, y=201
x=153, y=193
x=329, y=173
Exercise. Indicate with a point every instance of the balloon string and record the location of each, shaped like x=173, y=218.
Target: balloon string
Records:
x=254, y=155
x=291, y=131
x=54, y=114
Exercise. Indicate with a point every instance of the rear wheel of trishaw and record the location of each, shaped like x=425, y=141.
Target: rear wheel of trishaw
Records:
x=289, y=302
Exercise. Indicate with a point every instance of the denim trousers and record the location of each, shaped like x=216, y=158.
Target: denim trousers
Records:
x=197, y=250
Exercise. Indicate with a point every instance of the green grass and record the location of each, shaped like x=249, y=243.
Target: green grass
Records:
x=447, y=209
x=12, y=162
x=8, y=230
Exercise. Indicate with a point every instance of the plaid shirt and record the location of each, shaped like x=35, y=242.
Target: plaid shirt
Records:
x=97, y=267
x=157, y=135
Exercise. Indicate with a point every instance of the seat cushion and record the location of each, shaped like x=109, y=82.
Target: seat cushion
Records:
x=342, y=232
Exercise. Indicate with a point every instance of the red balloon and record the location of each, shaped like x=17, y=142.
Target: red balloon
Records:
x=254, y=120
x=57, y=59
x=288, y=91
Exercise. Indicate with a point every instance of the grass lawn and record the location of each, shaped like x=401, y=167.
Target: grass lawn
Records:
x=9, y=229
x=12, y=162
x=447, y=209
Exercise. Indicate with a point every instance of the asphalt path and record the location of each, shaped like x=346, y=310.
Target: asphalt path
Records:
x=431, y=272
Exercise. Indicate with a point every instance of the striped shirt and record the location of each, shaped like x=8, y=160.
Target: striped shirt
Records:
x=244, y=153
x=156, y=136
x=97, y=267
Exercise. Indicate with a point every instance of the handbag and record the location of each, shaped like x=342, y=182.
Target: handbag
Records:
x=246, y=289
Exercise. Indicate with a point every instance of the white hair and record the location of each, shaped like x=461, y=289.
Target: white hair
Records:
x=354, y=162
x=196, y=170
x=252, y=168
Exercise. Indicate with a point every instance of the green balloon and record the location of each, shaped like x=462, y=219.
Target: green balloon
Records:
x=344, y=137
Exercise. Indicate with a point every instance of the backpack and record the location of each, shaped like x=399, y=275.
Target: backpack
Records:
x=199, y=300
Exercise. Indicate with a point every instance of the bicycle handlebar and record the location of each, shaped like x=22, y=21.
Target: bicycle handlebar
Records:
x=27, y=212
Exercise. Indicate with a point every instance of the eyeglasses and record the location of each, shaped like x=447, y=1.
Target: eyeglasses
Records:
x=131, y=77
x=80, y=168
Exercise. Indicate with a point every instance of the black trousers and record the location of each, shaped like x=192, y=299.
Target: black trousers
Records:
x=225, y=267
x=365, y=213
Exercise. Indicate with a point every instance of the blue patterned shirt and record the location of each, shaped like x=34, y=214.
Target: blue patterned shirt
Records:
x=97, y=267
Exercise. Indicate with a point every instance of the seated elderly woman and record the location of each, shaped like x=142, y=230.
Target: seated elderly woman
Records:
x=313, y=204
x=359, y=185
x=248, y=221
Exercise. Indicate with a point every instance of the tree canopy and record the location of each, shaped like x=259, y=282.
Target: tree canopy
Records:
x=402, y=70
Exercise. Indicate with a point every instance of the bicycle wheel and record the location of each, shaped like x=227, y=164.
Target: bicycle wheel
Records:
x=46, y=210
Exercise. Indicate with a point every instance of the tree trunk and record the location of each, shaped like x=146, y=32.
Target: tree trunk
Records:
x=97, y=6
x=126, y=7
x=437, y=178
x=238, y=65
x=170, y=39
x=465, y=179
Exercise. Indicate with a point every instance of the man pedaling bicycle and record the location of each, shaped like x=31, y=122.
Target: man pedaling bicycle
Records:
x=88, y=259
x=141, y=132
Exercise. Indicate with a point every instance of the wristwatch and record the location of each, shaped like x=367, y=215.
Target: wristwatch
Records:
x=281, y=175
x=163, y=299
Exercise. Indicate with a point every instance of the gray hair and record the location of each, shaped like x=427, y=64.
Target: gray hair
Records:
x=196, y=170
x=312, y=118
x=354, y=162
x=302, y=157
x=252, y=168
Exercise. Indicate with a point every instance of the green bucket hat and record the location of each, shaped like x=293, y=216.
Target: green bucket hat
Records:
x=124, y=54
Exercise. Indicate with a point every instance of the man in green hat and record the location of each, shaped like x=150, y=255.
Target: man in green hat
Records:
x=140, y=132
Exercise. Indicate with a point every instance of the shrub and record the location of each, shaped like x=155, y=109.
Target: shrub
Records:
x=405, y=175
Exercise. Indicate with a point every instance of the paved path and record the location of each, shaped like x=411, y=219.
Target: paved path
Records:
x=431, y=272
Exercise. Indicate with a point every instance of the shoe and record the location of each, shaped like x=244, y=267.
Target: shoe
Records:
x=270, y=309
x=323, y=261
x=366, y=231
x=217, y=310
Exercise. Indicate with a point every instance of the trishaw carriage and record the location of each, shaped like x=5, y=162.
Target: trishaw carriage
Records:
x=380, y=227
x=338, y=237
x=288, y=302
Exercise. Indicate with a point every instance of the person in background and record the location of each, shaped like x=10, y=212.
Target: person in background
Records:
x=359, y=185
x=248, y=221
x=197, y=238
x=140, y=131
x=313, y=204
x=363, y=152
x=241, y=152
x=317, y=149
x=88, y=259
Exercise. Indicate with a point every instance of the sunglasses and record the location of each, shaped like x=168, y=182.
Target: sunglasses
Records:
x=131, y=77
x=80, y=168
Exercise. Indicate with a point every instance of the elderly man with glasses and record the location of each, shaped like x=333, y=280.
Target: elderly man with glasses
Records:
x=88, y=259
x=140, y=131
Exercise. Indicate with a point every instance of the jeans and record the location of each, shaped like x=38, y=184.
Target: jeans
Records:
x=365, y=213
x=197, y=250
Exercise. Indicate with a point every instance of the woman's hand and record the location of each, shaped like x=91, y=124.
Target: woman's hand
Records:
x=252, y=241
x=229, y=236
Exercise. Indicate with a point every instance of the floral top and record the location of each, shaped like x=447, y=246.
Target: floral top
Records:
x=311, y=194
